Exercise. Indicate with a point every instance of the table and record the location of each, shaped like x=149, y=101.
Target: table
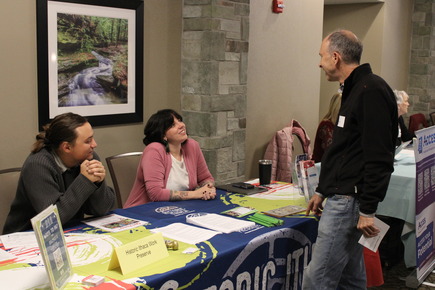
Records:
x=399, y=201
x=261, y=258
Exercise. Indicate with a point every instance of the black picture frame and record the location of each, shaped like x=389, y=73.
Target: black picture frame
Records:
x=105, y=97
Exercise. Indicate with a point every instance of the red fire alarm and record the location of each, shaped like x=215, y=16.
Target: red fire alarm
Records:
x=277, y=6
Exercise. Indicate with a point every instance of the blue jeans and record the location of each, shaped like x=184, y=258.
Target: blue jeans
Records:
x=337, y=261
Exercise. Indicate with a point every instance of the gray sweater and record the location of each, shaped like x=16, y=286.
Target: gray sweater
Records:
x=42, y=183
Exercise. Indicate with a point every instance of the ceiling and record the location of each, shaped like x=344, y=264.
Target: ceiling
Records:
x=332, y=2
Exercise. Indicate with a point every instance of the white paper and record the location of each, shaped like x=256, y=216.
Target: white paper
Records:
x=374, y=242
x=185, y=233
x=190, y=250
x=278, y=191
x=218, y=222
x=4, y=256
x=19, y=239
x=115, y=223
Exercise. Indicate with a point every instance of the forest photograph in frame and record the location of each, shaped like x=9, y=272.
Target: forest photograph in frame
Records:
x=90, y=60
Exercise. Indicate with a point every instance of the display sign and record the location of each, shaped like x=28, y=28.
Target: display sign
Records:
x=51, y=241
x=424, y=149
x=138, y=254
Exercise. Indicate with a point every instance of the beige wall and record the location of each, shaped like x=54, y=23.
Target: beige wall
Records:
x=385, y=30
x=18, y=81
x=396, y=43
x=283, y=76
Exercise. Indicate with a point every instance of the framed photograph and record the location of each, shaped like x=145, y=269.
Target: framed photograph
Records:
x=90, y=60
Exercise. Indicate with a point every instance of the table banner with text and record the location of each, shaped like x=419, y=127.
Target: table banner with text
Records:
x=425, y=199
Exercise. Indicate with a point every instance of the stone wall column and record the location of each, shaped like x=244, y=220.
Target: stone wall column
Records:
x=214, y=74
x=421, y=88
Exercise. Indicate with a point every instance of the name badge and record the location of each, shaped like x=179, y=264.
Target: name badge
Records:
x=341, y=120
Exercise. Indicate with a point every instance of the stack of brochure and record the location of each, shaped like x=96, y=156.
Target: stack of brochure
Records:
x=305, y=175
x=185, y=233
x=218, y=222
x=310, y=178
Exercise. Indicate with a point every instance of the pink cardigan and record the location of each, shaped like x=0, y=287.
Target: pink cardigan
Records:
x=153, y=172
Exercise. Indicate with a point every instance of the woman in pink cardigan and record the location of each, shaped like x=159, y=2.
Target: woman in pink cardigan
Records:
x=172, y=166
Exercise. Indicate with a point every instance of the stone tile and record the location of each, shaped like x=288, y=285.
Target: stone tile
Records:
x=200, y=77
x=233, y=124
x=200, y=123
x=231, y=25
x=229, y=72
x=238, y=89
x=239, y=145
x=224, y=12
x=191, y=102
x=196, y=2
x=232, y=56
x=242, y=9
x=192, y=11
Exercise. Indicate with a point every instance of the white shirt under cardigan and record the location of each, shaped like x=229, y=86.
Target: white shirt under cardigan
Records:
x=178, y=177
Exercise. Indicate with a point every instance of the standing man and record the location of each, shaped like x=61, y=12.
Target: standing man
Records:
x=356, y=168
x=63, y=169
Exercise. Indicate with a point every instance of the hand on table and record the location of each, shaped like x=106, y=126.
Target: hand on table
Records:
x=208, y=191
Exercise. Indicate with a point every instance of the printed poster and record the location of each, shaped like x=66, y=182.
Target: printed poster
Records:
x=49, y=234
x=424, y=150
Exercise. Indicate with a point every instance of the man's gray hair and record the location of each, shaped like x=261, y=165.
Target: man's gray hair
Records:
x=347, y=45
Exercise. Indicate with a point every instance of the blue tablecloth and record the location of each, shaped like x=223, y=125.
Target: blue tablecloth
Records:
x=265, y=258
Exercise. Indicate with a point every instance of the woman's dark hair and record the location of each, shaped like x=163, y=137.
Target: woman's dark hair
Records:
x=61, y=129
x=157, y=126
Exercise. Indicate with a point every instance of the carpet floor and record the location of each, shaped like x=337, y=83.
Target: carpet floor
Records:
x=395, y=276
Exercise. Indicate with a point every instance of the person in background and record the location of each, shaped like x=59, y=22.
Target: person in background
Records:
x=63, y=170
x=402, y=99
x=356, y=168
x=172, y=166
x=325, y=128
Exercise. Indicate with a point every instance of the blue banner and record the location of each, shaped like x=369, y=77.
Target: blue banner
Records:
x=424, y=150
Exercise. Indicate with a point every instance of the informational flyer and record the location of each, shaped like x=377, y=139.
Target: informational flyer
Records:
x=115, y=223
x=239, y=211
x=49, y=234
x=373, y=243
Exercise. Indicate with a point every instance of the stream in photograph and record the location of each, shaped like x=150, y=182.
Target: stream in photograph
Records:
x=86, y=90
